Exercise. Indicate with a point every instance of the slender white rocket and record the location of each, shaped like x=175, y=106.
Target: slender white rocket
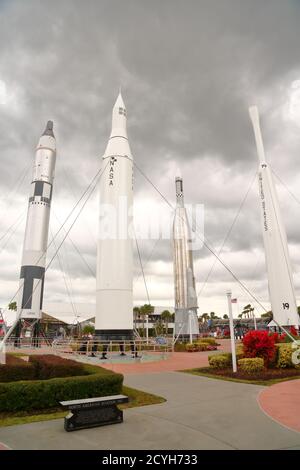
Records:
x=114, y=301
x=37, y=227
x=280, y=278
x=186, y=321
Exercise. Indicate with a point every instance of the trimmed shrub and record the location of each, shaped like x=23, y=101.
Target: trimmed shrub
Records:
x=284, y=356
x=41, y=394
x=251, y=365
x=206, y=346
x=239, y=355
x=259, y=344
x=16, y=369
x=195, y=347
x=239, y=351
x=179, y=347
x=200, y=346
x=220, y=361
x=192, y=347
x=49, y=366
x=211, y=341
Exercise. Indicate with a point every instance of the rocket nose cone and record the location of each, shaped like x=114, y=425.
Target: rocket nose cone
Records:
x=49, y=129
x=119, y=102
x=178, y=175
x=119, y=116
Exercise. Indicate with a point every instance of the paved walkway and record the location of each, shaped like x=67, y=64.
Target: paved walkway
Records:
x=173, y=362
x=281, y=402
x=200, y=413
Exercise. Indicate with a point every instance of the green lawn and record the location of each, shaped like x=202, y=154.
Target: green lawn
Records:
x=136, y=398
x=204, y=372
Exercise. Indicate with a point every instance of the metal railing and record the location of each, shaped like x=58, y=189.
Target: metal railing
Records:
x=96, y=347
x=30, y=342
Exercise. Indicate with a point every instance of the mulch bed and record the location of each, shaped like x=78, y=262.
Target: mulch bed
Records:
x=268, y=374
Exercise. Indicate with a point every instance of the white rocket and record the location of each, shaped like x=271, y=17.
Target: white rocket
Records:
x=37, y=226
x=280, y=277
x=114, y=299
x=186, y=320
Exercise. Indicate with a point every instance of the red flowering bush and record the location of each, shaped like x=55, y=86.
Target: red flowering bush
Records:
x=259, y=344
x=211, y=347
x=277, y=337
x=293, y=331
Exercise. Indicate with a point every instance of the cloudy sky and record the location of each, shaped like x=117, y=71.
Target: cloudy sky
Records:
x=188, y=71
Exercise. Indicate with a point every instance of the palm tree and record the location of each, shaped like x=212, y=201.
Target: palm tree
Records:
x=204, y=317
x=268, y=315
x=166, y=316
x=145, y=309
x=213, y=316
x=12, y=306
x=136, y=313
x=159, y=327
x=246, y=311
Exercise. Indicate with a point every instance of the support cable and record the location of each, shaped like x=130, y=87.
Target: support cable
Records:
x=13, y=228
x=142, y=269
x=93, y=274
x=212, y=251
x=18, y=183
x=64, y=277
x=228, y=233
x=94, y=182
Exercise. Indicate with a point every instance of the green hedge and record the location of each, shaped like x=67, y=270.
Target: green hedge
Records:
x=251, y=365
x=40, y=394
x=16, y=369
x=49, y=366
x=38, y=367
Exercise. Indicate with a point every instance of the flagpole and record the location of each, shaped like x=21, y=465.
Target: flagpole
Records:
x=234, y=367
x=254, y=318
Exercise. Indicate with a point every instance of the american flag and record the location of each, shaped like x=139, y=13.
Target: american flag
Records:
x=234, y=301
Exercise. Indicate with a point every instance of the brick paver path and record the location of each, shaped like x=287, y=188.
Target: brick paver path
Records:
x=282, y=403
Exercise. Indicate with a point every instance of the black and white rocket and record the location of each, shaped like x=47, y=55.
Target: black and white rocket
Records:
x=37, y=227
x=114, y=298
x=186, y=320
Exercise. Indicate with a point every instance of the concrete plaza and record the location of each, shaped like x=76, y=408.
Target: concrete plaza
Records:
x=200, y=413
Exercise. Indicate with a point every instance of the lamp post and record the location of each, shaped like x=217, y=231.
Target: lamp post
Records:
x=147, y=329
x=234, y=366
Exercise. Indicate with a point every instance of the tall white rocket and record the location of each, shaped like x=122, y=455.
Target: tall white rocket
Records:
x=37, y=227
x=281, y=287
x=114, y=299
x=186, y=320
